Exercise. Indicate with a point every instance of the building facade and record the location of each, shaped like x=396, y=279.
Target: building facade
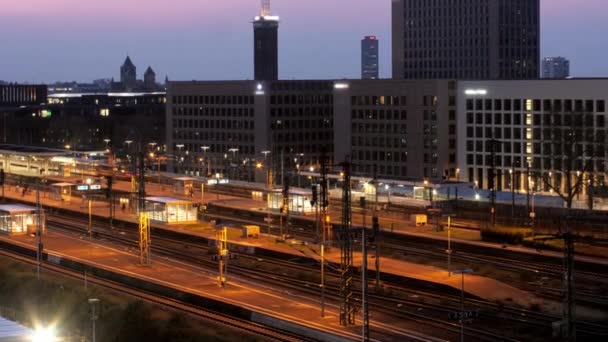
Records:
x=86, y=121
x=128, y=75
x=370, y=58
x=15, y=95
x=472, y=39
x=556, y=67
x=227, y=128
x=397, y=129
x=537, y=134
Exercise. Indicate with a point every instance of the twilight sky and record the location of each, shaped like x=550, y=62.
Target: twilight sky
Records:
x=81, y=40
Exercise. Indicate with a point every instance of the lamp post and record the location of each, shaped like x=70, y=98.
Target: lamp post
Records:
x=268, y=187
x=462, y=273
x=449, y=251
x=205, y=148
x=94, y=304
x=234, y=151
x=512, y=174
x=180, y=159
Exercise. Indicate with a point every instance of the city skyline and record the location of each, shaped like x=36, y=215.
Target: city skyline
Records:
x=192, y=40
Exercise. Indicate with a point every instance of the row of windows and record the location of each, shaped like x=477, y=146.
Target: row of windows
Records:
x=384, y=142
x=301, y=99
x=314, y=136
x=548, y=134
x=384, y=156
x=359, y=128
x=576, y=120
x=213, y=99
x=212, y=136
x=466, y=46
x=215, y=124
x=537, y=105
x=301, y=124
x=301, y=86
x=536, y=163
x=379, y=114
x=413, y=73
x=213, y=111
x=548, y=148
x=379, y=100
x=301, y=112
x=382, y=170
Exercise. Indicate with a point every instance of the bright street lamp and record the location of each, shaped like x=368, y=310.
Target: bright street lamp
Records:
x=44, y=335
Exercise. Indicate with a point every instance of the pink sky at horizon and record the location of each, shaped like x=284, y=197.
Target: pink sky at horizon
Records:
x=319, y=38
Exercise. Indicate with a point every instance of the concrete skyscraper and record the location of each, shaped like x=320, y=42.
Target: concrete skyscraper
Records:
x=369, y=58
x=473, y=39
x=266, y=44
x=556, y=67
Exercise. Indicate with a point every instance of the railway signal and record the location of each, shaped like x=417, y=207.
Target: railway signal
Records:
x=223, y=255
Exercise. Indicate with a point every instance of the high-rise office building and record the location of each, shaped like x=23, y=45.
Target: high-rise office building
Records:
x=369, y=58
x=473, y=39
x=266, y=44
x=556, y=67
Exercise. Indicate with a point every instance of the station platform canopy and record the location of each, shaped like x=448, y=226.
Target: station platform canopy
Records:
x=298, y=202
x=17, y=219
x=16, y=208
x=184, y=185
x=170, y=210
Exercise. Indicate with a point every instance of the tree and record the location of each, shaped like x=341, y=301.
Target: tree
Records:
x=575, y=146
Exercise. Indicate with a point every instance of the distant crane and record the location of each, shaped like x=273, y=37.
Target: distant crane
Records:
x=265, y=8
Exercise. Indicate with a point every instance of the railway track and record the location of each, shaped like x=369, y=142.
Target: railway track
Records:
x=431, y=250
x=252, y=328
x=433, y=313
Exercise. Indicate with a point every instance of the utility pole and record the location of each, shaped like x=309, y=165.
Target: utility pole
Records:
x=285, y=210
x=528, y=188
x=347, y=309
x=325, y=222
x=492, y=181
x=39, y=229
x=2, y=182
x=569, y=305
x=364, y=289
x=144, y=218
x=222, y=257
x=512, y=174
x=90, y=229
x=94, y=306
x=376, y=231
x=449, y=251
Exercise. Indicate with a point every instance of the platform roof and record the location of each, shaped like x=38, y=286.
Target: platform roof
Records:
x=11, y=331
x=184, y=179
x=31, y=150
x=16, y=208
x=62, y=184
x=165, y=200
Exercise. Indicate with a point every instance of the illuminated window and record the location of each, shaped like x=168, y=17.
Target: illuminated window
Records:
x=104, y=112
x=528, y=104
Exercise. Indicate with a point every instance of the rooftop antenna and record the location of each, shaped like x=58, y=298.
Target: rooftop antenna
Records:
x=265, y=8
